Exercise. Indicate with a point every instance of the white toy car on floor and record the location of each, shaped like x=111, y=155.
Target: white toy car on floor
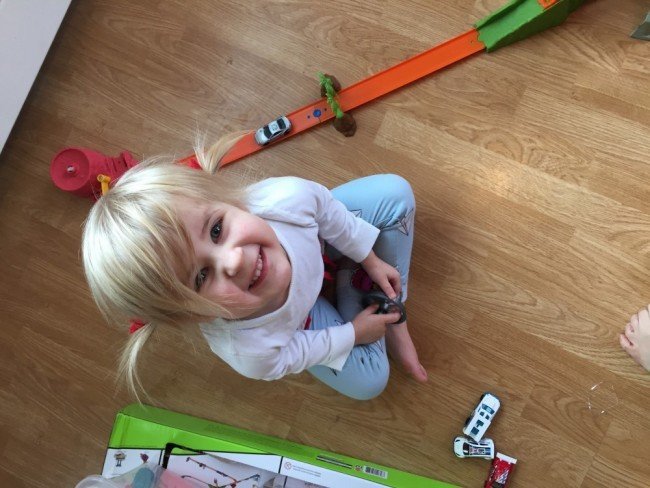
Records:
x=272, y=130
x=477, y=423
x=465, y=447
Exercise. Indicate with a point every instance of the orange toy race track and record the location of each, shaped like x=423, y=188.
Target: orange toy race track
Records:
x=523, y=11
x=76, y=169
x=368, y=89
x=365, y=90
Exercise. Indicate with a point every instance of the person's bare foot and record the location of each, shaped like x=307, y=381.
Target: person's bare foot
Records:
x=401, y=349
x=635, y=339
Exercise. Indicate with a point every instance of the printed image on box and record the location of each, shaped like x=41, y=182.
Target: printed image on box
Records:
x=208, y=469
x=212, y=470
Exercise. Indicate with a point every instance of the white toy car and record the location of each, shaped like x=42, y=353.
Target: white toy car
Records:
x=477, y=423
x=467, y=448
x=272, y=130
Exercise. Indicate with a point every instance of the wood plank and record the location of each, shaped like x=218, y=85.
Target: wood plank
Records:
x=530, y=170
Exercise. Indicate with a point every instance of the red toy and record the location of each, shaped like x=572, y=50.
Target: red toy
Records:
x=500, y=471
x=84, y=172
x=75, y=170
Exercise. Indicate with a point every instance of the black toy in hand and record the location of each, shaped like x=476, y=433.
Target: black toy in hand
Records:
x=386, y=305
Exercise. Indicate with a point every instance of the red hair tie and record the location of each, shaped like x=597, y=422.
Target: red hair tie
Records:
x=136, y=324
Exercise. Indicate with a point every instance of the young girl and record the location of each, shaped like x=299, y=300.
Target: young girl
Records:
x=176, y=246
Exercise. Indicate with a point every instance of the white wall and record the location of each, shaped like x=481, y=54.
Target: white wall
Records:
x=27, y=28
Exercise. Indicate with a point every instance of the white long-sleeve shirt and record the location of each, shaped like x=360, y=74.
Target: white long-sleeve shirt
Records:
x=301, y=213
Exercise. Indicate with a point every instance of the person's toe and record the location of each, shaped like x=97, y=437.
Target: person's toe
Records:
x=424, y=376
x=419, y=373
x=644, y=316
x=629, y=330
x=624, y=341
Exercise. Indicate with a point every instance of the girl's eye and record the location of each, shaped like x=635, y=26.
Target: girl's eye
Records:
x=215, y=231
x=200, y=279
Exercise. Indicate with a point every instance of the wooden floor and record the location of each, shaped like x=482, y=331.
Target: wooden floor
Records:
x=531, y=170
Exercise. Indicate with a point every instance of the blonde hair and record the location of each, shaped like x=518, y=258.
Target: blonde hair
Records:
x=134, y=244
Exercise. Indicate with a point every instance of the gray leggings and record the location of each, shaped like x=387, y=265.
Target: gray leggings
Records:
x=387, y=202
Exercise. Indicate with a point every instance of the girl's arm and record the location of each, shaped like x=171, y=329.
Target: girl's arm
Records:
x=307, y=348
x=308, y=203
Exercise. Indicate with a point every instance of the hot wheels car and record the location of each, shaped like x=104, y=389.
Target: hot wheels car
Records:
x=477, y=423
x=386, y=305
x=272, y=130
x=467, y=448
x=500, y=471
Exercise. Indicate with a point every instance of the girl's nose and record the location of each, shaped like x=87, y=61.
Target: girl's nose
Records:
x=233, y=261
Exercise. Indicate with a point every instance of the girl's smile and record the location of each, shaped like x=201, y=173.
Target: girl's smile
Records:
x=238, y=260
x=260, y=271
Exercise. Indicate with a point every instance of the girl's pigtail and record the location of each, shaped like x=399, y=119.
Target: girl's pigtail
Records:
x=129, y=358
x=210, y=160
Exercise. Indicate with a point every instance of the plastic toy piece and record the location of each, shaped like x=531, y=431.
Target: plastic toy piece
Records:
x=336, y=84
x=467, y=448
x=343, y=122
x=515, y=21
x=76, y=170
x=522, y=18
x=346, y=124
x=144, y=478
x=328, y=90
x=104, y=181
x=500, y=471
x=643, y=31
x=370, y=88
x=481, y=418
x=272, y=131
x=386, y=305
x=147, y=475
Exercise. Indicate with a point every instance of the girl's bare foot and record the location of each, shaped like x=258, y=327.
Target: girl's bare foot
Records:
x=401, y=349
x=635, y=339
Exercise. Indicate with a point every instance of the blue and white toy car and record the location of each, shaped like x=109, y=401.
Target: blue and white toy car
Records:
x=467, y=448
x=272, y=130
x=477, y=423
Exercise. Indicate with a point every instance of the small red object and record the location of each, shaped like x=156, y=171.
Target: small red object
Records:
x=190, y=161
x=75, y=169
x=331, y=267
x=136, y=325
x=500, y=472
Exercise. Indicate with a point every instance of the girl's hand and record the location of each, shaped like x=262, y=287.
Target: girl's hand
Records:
x=370, y=327
x=382, y=273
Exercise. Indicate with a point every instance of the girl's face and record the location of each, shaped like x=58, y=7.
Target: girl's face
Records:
x=240, y=262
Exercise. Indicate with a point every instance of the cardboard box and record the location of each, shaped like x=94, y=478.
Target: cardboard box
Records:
x=211, y=454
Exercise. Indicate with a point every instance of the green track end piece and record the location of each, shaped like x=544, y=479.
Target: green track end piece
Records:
x=520, y=19
x=643, y=31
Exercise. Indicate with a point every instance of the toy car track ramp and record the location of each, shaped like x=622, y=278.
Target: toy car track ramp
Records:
x=368, y=89
x=512, y=22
